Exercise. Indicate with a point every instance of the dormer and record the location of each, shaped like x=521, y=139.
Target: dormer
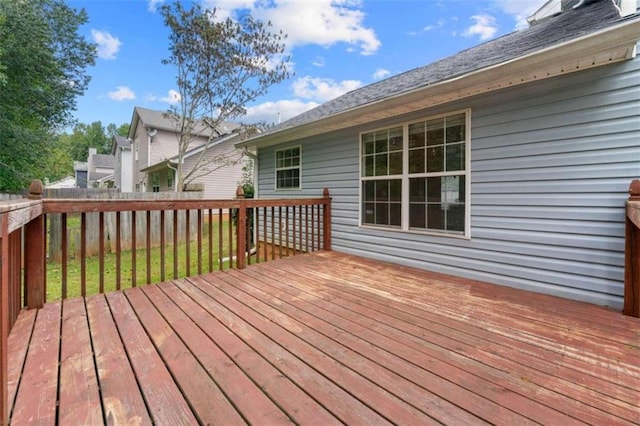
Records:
x=555, y=7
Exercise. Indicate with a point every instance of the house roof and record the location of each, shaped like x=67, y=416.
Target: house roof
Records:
x=119, y=142
x=163, y=121
x=103, y=160
x=564, y=43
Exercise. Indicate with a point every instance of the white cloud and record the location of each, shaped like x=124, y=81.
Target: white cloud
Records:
x=172, y=97
x=485, y=27
x=154, y=4
x=269, y=111
x=322, y=89
x=322, y=22
x=519, y=9
x=122, y=93
x=108, y=45
x=319, y=62
x=435, y=26
x=380, y=73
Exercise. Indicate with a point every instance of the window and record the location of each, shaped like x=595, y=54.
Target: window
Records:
x=155, y=182
x=415, y=177
x=170, y=179
x=288, y=168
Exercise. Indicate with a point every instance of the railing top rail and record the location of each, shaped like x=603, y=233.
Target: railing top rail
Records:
x=17, y=204
x=20, y=212
x=101, y=205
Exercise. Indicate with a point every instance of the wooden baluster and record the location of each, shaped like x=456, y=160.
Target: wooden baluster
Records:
x=256, y=222
x=293, y=222
x=279, y=232
x=64, y=259
x=210, y=240
x=118, y=250
x=101, y=252
x=313, y=228
x=230, y=239
x=175, y=244
x=306, y=236
x=199, y=239
x=83, y=254
x=148, y=246
x=188, y=240
x=273, y=233
x=220, y=241
x=286, y=228
x=162, y=246
x=241, y=230
x=264, y=231
x=247, y=242
x=134, y=232
x=300, y=226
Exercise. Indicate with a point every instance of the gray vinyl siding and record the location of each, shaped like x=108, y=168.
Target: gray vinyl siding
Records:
x=551, y=163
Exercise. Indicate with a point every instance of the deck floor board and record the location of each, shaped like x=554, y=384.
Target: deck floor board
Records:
x=326, y=338
x=492, y=349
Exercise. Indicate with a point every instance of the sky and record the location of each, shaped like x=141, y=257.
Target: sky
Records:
x=335, y=46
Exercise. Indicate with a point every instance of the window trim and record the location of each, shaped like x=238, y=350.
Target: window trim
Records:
x=404, y=227
x=276, y=169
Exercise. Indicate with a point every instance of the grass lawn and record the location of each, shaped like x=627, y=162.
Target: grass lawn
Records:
x=54, y=269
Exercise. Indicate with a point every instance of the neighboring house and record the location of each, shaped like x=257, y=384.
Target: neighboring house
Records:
x=99, y=169
x=154, y=143
x=123, y=164
x=508, y=162
x=218, y=178
x=80, y=171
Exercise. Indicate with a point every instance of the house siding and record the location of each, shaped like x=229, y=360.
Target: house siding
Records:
x=221, y=183
x=551, y=162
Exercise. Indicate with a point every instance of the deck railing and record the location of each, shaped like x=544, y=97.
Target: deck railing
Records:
x=632, y=253
x=224, y=233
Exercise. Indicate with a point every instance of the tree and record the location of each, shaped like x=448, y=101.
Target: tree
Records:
x=44, y=62
x=220, y=67
x=74, y=146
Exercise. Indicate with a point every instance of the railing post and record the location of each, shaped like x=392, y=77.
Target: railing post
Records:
x=632, y=252
x=34, y=253
x=241, y=230
x=4, y=316
x=326, y=220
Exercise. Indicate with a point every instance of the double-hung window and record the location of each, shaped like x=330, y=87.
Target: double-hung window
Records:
x=415, y=176
x=288, y=168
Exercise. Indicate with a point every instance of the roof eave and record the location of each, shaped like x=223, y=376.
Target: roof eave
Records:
x=613, y=44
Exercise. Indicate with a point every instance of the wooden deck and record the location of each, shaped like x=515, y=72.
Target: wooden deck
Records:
x=324, y=339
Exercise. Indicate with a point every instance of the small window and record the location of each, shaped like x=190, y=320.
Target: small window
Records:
x=170, y=179
x=288, y=168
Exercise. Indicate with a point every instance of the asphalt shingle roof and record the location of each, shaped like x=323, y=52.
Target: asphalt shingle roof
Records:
x=103, y=160
x=122, y=142
x=160, y=120
x=569, y=25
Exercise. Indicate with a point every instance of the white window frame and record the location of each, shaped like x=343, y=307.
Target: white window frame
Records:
x=277, y=169
x=405, y=178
